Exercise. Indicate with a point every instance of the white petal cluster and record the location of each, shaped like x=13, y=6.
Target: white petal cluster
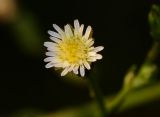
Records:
x=71, y=50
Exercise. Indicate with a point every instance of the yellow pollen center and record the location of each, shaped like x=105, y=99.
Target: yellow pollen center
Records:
x=73, y=50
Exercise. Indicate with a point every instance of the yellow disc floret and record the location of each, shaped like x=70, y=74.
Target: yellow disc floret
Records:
x=73, y=50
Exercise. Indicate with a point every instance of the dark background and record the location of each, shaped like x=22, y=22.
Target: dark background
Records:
x=121, y=26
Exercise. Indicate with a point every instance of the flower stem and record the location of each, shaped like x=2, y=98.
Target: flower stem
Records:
x=153, y=53
x=98, y=95
x=119, y=99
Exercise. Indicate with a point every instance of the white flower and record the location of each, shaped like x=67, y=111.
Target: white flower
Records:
x=71, y=50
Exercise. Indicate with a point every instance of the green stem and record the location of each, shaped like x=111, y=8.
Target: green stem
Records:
x=98, y=95
x=117, y=101
x=153, y=53
x=145, y=95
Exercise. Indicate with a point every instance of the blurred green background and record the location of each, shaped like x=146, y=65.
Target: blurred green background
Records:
x=120, y=26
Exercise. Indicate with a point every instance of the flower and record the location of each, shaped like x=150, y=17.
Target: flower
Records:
x=71, y=50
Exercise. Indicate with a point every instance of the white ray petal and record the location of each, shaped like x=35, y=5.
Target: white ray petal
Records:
x=91, y=53
x=75, y=69
x=50, y=44
x=86, y=64
x=52, y=59
x=98, y=56
x=81, y=30
x=53, y=49
x=65, y=71
x=48, y=59
x=87, y=33
x=58, y=65
x=82, y=71
x=49, y=65
x=71, y=68
x=91, y=59
x=58, y=29
x=57, y=40
x=56, y=60
x=80, y=62
x=54, y=34
x=65, y=64
x=51, y=54
x=97, y=49
x=91, y=49
x=76, y=25
x=68, y=31
x=91, y=43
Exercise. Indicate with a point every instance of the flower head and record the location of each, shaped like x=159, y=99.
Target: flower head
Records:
x=71, y=50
